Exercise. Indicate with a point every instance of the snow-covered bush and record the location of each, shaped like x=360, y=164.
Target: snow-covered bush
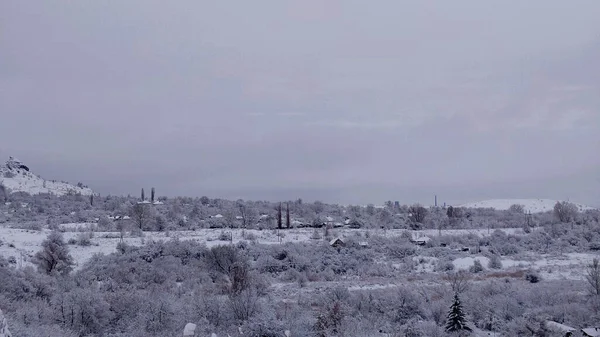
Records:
x=495, y=262
x=476, y=267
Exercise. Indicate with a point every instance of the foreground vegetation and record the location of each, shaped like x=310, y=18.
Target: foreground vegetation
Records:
x=309, y=288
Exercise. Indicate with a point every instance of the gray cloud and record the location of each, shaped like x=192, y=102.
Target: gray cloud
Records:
x=340, y=101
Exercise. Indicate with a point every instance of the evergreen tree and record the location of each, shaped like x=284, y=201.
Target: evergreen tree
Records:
x=288, y=222
x=279, y=217
x=456, y=317
x=143, y=196
x=152, y=194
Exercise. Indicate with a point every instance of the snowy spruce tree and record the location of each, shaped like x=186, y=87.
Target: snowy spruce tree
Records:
x=456, y=317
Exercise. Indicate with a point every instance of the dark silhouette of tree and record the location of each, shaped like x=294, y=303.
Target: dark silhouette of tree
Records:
x=417, y=213
x=91, y=200
x=279, y=217
x=204, y=200
x=143, y=195
x=450, y=212
x=3, y=193
x=54, y=256
x=456, y=317
x=152, y=194
x=140, y=214
x=288, y=222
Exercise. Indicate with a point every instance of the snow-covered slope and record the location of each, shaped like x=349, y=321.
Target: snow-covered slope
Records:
x=530, y=205
x=16, y=176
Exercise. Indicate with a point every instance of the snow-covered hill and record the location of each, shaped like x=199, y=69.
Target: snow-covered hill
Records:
x=17, y=177
x=530, y=205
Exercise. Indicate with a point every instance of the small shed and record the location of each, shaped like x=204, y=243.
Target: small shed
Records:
x=337, y=242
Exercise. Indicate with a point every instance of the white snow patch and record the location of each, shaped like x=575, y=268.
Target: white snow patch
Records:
x=467, y=262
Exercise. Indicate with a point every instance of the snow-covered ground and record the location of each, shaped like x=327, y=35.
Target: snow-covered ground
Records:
x=530, y=205
x=22, y=244
x=568, y=266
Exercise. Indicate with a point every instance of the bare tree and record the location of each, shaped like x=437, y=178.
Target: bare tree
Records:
x=141, y=214
x=593, y=277
x=565, y=211
x=459, y=281
x=247, y=213
x=517, y=208
x=417, y=213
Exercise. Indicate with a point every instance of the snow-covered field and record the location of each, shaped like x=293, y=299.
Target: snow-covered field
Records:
x=22, y=244
x=530, y=205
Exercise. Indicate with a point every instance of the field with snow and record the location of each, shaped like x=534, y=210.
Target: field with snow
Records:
x=23, y=243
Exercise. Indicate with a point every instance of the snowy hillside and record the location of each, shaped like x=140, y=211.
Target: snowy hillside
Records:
x=530, y=205
x=17, y=177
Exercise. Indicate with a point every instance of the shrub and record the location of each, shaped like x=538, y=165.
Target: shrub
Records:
x=533, y=277
x=84, y=239
x=315, y=235
x=476, y=267
x=495, y=262
x=225, y=236
x=403, y=250
x=444, y=265
x=54, y=256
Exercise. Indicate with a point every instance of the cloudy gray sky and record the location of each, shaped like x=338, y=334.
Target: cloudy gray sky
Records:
x=342, y=101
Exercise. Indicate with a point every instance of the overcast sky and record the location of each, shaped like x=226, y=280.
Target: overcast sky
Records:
x=341, y=101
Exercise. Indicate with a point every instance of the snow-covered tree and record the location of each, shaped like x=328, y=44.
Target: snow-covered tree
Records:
x=417, y=213
x=565, y=211
x=593, y=277
x=457, y=321
x=54, y=256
